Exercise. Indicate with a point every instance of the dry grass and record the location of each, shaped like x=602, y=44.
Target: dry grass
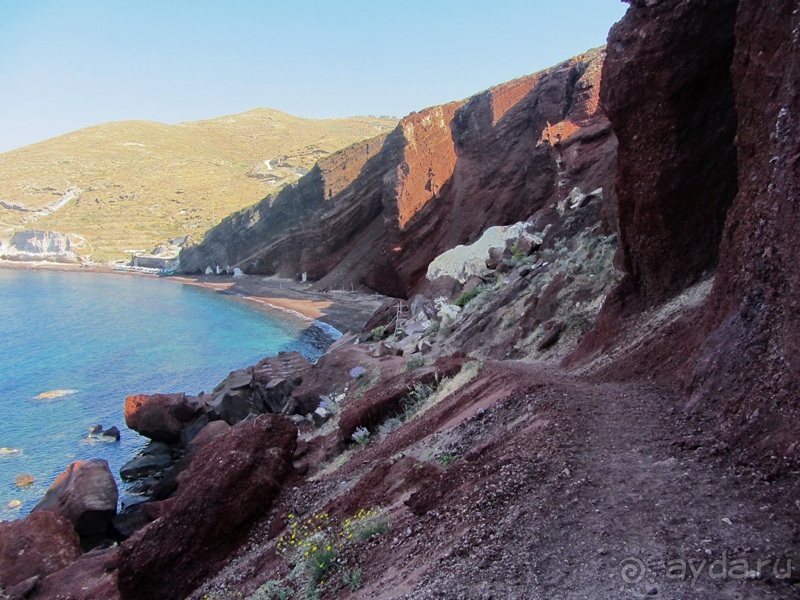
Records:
x=144, y=182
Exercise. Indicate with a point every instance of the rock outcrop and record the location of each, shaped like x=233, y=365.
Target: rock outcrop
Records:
x=377, y=213
x=747, y=374
x=33, y=547
x=229, y=483
x=85, y=494
x=37, y=245
x=704, y=98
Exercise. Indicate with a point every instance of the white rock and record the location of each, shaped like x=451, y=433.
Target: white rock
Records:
x=463, y=262
x=449, y=311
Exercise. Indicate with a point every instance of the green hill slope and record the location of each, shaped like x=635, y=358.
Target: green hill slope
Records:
x=133, y=184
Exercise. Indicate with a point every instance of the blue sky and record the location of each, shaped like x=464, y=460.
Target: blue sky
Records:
x=68, y=64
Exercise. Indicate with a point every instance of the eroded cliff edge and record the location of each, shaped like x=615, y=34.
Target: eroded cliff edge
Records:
x=376, y=214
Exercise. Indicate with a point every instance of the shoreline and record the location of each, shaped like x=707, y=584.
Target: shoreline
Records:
x=344, y=311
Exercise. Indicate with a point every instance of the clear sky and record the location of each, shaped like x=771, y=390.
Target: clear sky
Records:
x=68, y=64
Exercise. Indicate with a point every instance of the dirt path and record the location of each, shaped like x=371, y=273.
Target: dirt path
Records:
x=643, y=515
x=554, y=488
x=615, y=498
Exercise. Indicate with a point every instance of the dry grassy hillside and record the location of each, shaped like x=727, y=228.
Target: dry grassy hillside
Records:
x=138, y=183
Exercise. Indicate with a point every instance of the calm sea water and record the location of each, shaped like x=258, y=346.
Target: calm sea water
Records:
x=105, y=337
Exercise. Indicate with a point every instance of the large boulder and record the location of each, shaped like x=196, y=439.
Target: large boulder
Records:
x=40, y=544
x=145, y=465
x=161, y=417
x=236, y=397
x=85, y=494
x=229, y=484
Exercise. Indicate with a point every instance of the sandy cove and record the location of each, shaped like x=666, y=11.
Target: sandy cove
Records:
x=346, y=311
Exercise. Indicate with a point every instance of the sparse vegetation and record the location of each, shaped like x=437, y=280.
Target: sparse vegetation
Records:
x=361, y=436
x=378, y=333
x=273, y=590
x=144, y=183
x=317, y=546
x=415, y=362
x=446, y=459
x=467, y=297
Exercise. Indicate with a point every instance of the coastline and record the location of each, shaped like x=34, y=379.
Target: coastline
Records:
x=344, y=311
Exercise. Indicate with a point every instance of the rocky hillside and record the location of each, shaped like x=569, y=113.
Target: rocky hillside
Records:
x=376, y=214
x=132, y=185
x=594, y=396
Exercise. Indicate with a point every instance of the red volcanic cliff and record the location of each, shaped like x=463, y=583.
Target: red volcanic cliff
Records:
x=748, y=371
x=703, y=97
x=669, y=96
x=375, y=214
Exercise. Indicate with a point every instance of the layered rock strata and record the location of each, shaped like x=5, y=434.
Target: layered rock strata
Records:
x=375, y=215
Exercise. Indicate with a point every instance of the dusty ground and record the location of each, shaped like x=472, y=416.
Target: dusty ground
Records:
x=558, y=489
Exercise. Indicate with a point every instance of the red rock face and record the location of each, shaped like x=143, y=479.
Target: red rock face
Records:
x=748, y=371
x=229, y=483
x=160, y=417
x=375, y=214
x=668, y=93
x=37, y=545
x=675, y=72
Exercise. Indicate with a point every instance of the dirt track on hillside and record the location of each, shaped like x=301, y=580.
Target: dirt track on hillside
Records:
x=559, y=489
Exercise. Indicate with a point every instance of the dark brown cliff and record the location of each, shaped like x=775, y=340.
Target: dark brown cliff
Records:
x=669, y=96
x=748, y=371
x=375, y=214
x=703, y=97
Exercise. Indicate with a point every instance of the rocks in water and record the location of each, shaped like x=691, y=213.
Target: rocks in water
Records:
x=97, y=432
x=145, y=466
x=161, y=417
x=33, y=547
x=24, y=480
x=85, y=494
x=111, y=433
x=228, y=484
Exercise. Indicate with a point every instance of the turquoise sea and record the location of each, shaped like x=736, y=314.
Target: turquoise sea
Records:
x=102, y=337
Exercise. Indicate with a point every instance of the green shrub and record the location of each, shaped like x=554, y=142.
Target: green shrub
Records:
x=352, y=578
x=446, y=459
x=415, y=362
x=317, y=546
x=466, y=297
x=273, y=590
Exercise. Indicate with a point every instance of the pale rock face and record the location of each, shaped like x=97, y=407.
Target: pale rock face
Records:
x=41, y=242
x=463, y=262
x=37, y=245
